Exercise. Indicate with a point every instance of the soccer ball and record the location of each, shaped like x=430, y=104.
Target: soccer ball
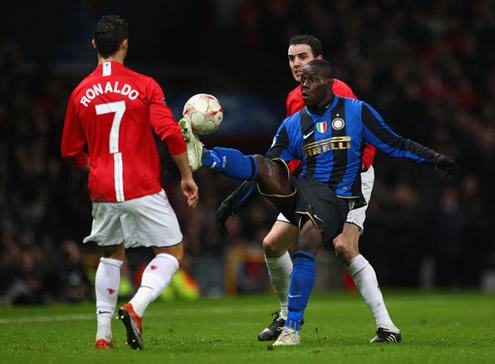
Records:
x=204, y=112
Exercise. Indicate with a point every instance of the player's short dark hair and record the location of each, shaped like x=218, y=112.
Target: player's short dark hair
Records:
x=109, y=33
x=310, y=40
x=324, y=67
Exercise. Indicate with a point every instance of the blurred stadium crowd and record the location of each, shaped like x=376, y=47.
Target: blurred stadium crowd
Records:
x=427, y=67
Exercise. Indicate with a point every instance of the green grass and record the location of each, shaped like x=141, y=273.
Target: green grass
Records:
x=436, y=328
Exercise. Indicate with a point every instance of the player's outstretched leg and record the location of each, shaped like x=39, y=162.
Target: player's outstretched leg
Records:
x=231, y=163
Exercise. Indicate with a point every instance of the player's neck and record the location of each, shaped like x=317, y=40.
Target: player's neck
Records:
x=116, y=57
x=110, y=59
x=321, y=107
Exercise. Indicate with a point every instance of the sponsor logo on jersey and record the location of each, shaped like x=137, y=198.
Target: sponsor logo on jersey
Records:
x=338, y=123
x=321, y=127
x=322, y=146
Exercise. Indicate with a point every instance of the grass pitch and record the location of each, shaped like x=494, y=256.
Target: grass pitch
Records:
x=436, y=328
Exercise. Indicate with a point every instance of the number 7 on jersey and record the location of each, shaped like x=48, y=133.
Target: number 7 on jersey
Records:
x=118, y=108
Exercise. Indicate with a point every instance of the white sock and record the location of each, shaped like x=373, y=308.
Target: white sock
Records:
x=104, y=330
x=280, y=270
x=365, y=279
x=107, y=284
x=156, y=277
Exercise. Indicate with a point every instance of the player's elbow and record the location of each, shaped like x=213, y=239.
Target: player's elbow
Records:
x=77, y=161
x=67, y=158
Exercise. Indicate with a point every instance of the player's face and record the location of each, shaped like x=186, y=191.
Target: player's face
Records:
x=299, y=55
x=315, y=88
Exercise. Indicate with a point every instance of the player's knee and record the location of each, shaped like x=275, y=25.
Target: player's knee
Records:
x=179, y=256
x=268, y=245
x=310, y=239
x=114, y=251
x=176, y=251
x=271, y=247
x=344, y=249
x=340, y=246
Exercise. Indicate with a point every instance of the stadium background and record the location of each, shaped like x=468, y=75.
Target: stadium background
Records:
x=427, y=67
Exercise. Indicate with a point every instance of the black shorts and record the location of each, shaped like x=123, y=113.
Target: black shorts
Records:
x=312, y=199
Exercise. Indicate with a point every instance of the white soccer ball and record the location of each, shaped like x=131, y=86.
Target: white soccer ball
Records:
x=204, y=112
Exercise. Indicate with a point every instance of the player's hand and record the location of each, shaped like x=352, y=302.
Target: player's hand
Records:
x=190, y=190
x=223, y=213
x=448, y=164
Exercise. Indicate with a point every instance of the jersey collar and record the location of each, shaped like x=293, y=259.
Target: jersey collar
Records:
x=321, y=111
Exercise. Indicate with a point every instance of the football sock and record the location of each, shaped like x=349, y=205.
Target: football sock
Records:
x=230, y=162
x=104, y=329
x=280, y=271
x=365, y=279
x=301, y=284
x=107, y=283
x=156, y=277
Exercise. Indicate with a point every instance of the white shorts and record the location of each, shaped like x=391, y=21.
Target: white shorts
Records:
x=141, y=222
x=356, y=216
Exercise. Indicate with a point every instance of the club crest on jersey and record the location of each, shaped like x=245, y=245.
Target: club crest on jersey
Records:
x=338, y=123
x=321, y=127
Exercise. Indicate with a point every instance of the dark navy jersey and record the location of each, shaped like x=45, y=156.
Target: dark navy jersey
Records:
x=331, y=145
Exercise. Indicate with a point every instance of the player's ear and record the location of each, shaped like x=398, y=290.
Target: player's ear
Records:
x=330, y=83
x=319, y=57
x=125, y=43
x=93, y=43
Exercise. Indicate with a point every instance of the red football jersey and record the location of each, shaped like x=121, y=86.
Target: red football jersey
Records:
x=295, y=103
x=113, y=110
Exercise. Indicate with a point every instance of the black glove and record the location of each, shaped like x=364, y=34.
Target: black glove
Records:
x=448, y=164
x=224, y=211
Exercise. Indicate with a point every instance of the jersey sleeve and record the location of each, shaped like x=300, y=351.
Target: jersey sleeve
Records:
x=379, y=134
x=163, y=122
x=73, y=138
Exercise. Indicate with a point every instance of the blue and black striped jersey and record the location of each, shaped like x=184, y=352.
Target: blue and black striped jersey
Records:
x=331, y=145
